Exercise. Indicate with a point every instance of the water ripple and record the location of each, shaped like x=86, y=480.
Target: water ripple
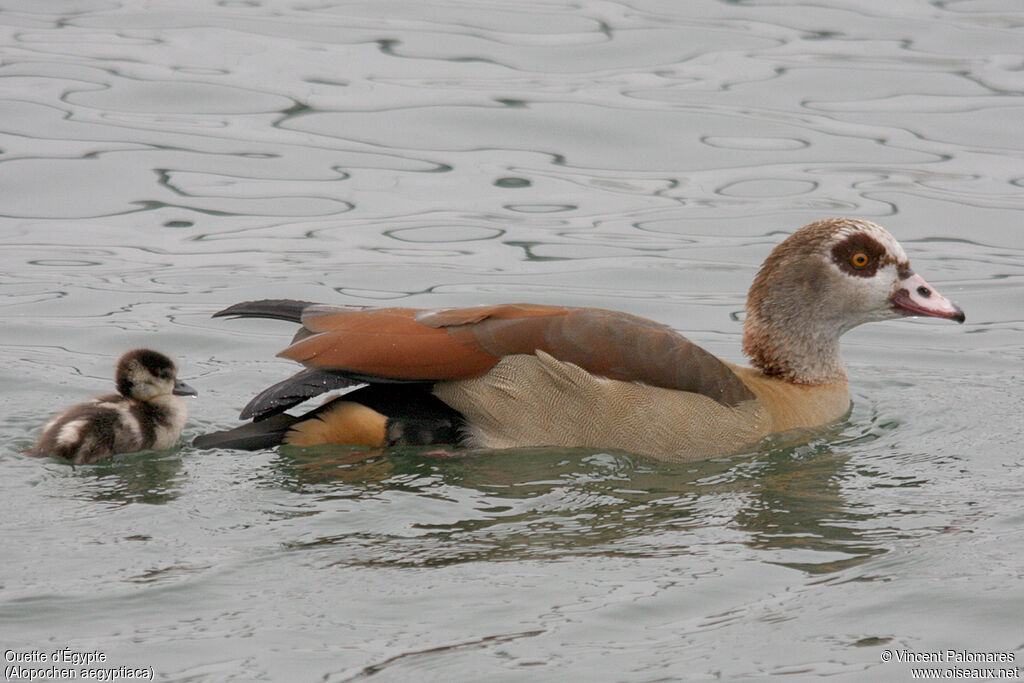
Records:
x=161, y=160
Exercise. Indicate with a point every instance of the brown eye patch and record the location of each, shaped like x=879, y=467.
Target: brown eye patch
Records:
x=860, y=255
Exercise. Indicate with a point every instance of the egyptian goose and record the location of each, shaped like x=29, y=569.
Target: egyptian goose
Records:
x=528, y=375
x=146, y=412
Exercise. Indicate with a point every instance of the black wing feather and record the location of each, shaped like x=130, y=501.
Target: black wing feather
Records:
x=301, y=386
x=274, y=309
x=252, y=436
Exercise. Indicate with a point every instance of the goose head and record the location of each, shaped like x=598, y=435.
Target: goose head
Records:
x=143, y=375
x=823, y=280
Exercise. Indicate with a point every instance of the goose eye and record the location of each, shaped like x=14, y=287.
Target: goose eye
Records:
x=859, y=260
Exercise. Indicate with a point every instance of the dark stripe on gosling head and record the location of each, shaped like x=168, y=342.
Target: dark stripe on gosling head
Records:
x=153, y=362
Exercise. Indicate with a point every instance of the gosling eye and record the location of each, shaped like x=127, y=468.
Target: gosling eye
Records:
x=860, y=260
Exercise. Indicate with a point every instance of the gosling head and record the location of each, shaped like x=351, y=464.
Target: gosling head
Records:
x=143, y=374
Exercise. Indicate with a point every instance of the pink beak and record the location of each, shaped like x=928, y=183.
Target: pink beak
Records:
x=914, y=296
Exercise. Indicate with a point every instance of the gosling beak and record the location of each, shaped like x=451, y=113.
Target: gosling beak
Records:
x=914, y=296
x=182, y=389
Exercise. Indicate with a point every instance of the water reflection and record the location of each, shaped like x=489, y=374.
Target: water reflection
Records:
x=538, y=503
x=153, y=478
x=802, y=519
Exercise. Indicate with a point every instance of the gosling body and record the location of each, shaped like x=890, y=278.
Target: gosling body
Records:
x=148, y=412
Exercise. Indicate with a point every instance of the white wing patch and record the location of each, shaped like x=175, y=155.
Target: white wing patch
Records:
x=128, y=426
x=71, y=432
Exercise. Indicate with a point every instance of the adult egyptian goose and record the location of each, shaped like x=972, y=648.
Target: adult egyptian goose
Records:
x=145, y=413
x=530, y=375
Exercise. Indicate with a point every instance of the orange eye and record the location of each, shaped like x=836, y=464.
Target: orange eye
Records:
x=859, y=260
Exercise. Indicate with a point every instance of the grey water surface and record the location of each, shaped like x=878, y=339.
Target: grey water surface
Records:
x=161, y=160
